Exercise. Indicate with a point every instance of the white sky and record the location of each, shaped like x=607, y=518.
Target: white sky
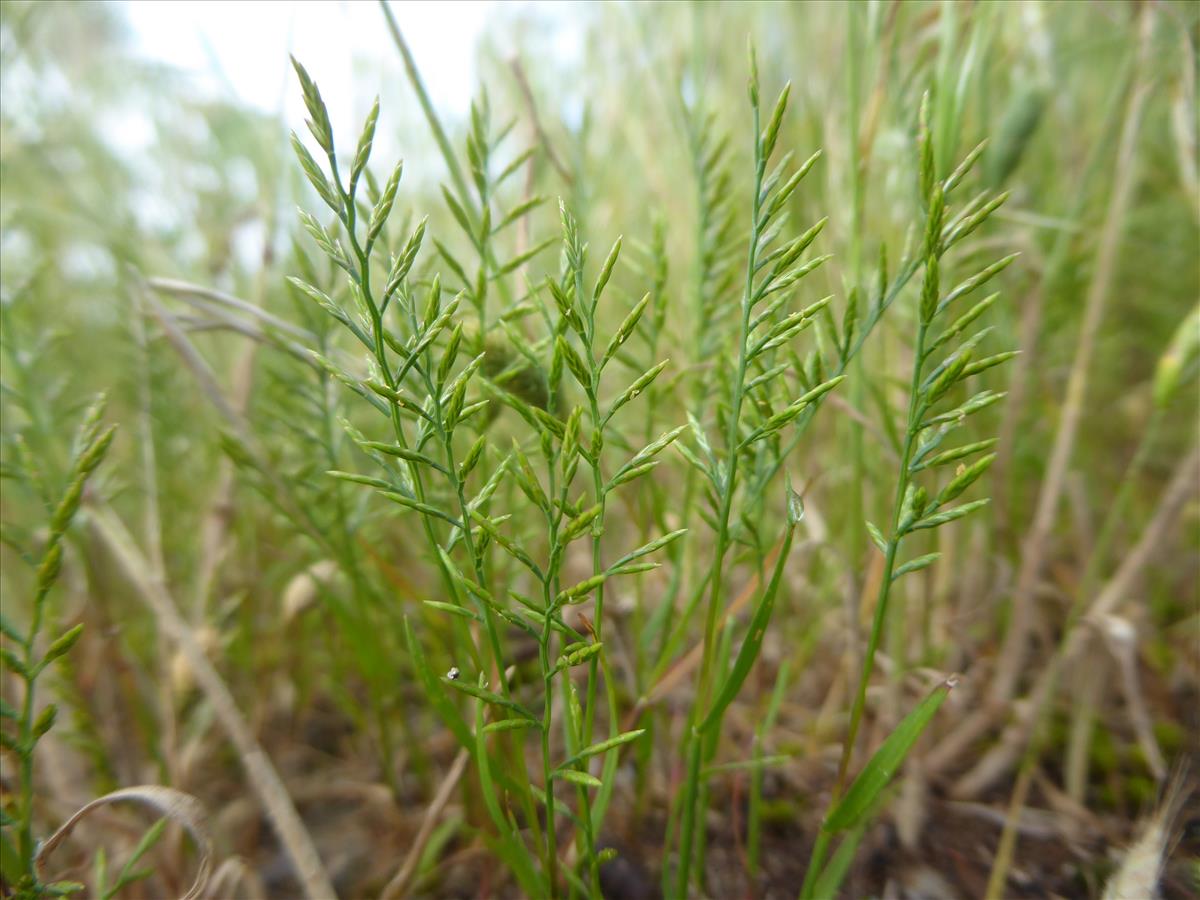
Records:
x=241, y=47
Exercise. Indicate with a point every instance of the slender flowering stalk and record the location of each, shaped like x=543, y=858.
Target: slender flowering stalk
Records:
x=914, y=507
x=420, y=383
x=28, y=661
x=772, y=269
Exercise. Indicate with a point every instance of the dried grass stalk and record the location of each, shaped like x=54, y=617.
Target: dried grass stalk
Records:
x=175, y=805
x=261, y=773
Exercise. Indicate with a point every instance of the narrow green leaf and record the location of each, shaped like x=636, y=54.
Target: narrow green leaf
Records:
x=752, y=645
x=834, y=873
x=878, y=772
x=1179, y=358
x=152, y=836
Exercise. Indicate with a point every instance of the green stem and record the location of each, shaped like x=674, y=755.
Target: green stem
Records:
x=595, y=663
x=25, y=843
x=915, y=412
x=548, y=690
x=25, y=831
x=857, y=171
x=548, y=594
x=695, y=741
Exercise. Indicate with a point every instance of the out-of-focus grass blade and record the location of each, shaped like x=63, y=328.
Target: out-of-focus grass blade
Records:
x=434, y=691
x=510, y=846
x=753, y=643
x=835, y=870
x=859, y=799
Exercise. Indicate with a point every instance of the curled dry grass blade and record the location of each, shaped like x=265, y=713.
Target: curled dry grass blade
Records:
x=176, y=806
x=264, y=780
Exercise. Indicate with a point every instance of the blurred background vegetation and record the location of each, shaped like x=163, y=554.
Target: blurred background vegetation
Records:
x=117, y=169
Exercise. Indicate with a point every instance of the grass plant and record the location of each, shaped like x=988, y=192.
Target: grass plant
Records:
x=587, y=493
x=26, y=660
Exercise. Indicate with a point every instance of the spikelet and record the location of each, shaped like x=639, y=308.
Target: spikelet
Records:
x=182, y=677
x=301, y=592
x=1137, y=879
